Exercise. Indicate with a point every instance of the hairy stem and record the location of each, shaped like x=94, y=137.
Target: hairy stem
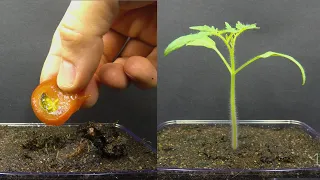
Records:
x=233, y=111
x=233, y=108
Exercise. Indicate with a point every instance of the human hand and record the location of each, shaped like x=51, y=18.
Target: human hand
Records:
x=89, y=38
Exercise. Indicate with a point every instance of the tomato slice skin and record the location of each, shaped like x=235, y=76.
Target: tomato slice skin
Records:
x=63, y=104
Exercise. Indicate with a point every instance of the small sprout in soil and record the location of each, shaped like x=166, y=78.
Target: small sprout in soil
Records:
x=229, y=36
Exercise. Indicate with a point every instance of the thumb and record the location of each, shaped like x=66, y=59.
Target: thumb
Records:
x=80, y=45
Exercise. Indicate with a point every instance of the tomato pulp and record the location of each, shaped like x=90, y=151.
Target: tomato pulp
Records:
x=52, y=106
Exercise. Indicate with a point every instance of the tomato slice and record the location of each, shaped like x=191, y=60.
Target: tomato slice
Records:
x=52, y=106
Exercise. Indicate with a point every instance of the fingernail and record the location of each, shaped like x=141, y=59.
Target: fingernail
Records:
x=67, y=74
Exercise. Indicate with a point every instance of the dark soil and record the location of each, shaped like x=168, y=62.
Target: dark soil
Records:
x=88, y=148
x=203, y=146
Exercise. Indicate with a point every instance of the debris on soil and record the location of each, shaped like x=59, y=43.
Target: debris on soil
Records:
x=109, y=143
x=203, y=146
x=91, y=147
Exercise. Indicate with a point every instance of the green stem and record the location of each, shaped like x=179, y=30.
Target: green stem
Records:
x=233, y=111
x=223, y=59
x=233, y=108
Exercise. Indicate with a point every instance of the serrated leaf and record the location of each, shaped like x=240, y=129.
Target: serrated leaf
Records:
x=229, y=28
x=182, y=41
x=201, y=28
x=204, y=41
x=205, y=28
x=241, y=27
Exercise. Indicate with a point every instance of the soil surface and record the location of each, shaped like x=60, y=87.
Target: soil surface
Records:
x=88, y=148
x=203, y=146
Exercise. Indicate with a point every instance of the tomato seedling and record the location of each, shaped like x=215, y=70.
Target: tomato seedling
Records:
x=229, y=36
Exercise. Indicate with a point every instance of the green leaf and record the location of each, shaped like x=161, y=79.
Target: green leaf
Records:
x=207, y=42
x=239, y=25
x=204, y=41
x=199, y=39
x=229, y=28
x=204, y=28
x=183, y=40
x=270, y=54
x=242, y=27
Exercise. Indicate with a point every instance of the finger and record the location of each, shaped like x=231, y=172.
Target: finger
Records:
x=81, y=31
x=141, y=71
x=93, y=91
x=153, y=57
x=121, y=60
x=136, y=24
x=136, y=48
x=113, y=43
x=51, y=65
x=129, y=5
x=112, y=75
